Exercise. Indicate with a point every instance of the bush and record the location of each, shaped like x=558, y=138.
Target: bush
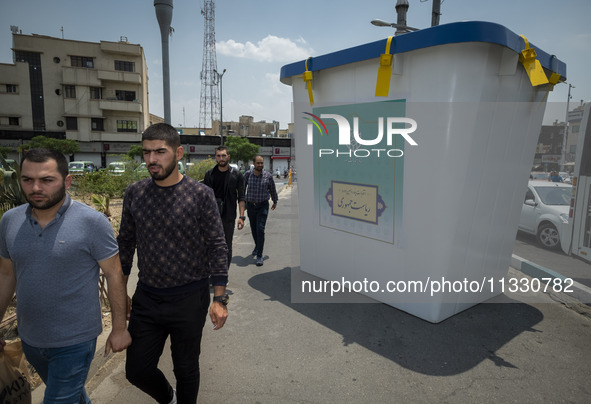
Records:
x=103, y=183
x=198, y=172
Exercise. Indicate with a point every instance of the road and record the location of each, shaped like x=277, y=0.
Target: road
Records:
x=527, y=247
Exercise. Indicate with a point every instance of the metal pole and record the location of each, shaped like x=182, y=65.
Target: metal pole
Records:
x=164, y=16
x=401, y=9
x=436, y=13
x=221, y=111
x=565, y=136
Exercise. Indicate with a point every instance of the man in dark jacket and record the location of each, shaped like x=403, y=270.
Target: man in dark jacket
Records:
x=228, y=186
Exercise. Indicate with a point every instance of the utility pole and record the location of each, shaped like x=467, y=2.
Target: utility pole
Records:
x=164, y=16
x=436, y=13
x=565, y=136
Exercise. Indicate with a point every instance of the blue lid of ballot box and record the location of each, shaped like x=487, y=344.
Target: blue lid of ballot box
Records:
x=457, y=32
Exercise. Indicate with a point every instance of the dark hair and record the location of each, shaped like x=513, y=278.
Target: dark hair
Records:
x=222, y=148
x=163, y=131
x=256, y=157
x=41, y=155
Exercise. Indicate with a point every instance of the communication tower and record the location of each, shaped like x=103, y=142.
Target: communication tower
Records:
x=209, y=106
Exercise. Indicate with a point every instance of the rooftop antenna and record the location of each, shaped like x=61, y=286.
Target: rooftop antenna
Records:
x=164, y=16
x=62, y=29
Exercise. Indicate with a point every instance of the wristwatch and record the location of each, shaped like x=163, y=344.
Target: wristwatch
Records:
x=223, y=299
x=242, y=218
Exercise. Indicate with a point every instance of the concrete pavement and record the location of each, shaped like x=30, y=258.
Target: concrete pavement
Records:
x=274, y=351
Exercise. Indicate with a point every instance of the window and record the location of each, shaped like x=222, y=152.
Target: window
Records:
x=71, y=123
x=11, y=88
x=123, y=95
x=124, y=66
x=126, y=126
x=70, y=91
x=82, y=61
x=96, y=93
x=97, y=124
x=13, y=120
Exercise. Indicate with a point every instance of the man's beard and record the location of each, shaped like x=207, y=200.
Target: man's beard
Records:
x=164, y=173
x=53, y=199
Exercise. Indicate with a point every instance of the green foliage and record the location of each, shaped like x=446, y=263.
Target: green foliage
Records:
x=240, y=149
x=198, y=171
x=102, y=183
x=11, y=193
x=102, y=204
x=135, y=151
x=66, y=146
x=4, y=151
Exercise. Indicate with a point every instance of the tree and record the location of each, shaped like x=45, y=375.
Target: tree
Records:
x=65, y=146
x=240, y=149
x=135, y=151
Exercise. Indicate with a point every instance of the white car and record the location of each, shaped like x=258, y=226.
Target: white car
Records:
x=544, y=210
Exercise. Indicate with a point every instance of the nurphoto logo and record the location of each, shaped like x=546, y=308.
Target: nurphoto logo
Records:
x=391, y=128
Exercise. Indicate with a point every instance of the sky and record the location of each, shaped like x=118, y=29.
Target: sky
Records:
x=255, y=38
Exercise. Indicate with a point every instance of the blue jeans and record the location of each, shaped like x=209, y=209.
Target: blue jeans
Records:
x=257, y=216
x=63, y=370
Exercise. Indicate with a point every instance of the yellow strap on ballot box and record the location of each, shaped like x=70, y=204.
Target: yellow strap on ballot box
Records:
x=384, y=71
x=308, y=81
x=532, y=66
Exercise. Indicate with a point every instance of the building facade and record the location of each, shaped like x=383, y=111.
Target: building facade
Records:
x=94, y=93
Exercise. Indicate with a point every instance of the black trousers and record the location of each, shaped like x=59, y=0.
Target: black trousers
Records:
x=153, y=319
x=229, y=235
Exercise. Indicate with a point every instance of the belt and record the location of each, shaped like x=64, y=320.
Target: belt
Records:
x=259, y=203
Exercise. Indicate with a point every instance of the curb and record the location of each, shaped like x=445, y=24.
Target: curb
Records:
x=579, y=292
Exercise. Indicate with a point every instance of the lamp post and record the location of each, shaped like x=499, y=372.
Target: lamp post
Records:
x=400, y=29
x=164, y=17
x=400, y=24
x=564, y=137
x=219, y=78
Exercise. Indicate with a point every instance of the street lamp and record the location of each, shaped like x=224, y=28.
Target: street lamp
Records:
x=400, y=29
x=564, y=137
x=400, y=25
x=219, y=77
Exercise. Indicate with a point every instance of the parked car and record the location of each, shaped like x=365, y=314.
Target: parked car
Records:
x=544, y=211
x=116, y=168
x=565, y=177
x=538, y=176
x=81, y=167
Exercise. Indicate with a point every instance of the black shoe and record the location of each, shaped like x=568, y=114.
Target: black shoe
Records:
x=259, y=261
x=254, y=252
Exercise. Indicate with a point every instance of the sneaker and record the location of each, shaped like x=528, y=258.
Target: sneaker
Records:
x=173, y=401
x=254, y=252
x=259, y=261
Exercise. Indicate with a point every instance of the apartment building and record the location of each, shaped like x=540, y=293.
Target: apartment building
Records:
x=95, y=93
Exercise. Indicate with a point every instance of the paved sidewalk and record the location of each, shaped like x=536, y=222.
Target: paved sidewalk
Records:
x=274, y=351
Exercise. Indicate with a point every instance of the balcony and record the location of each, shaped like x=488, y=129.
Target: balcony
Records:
x=121, y=48
x=123, y=106
x=80, y=76
x=120, y=76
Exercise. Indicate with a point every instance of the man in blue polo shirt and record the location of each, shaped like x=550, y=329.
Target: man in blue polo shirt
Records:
x=51, y=253
x=259, y=188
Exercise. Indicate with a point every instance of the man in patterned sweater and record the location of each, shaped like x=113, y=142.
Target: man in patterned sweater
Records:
x=174, y=223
